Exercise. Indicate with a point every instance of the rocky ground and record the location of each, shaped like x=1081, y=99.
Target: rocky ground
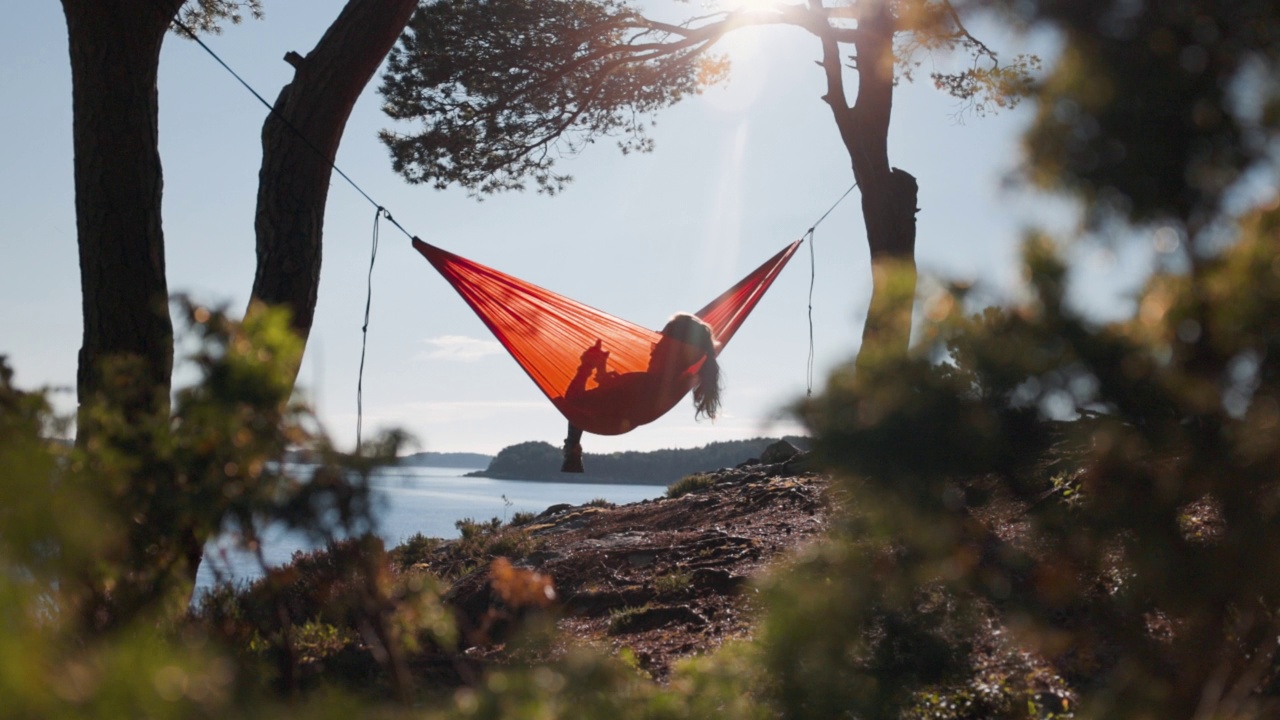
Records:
x=666, y=578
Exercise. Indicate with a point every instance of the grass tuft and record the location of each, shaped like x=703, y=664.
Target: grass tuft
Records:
x=691, y=483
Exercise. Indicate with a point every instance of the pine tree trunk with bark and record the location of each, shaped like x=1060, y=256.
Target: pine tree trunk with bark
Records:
x=115, y=50
x=115, y=53
x=889, y=194
x=299, y=142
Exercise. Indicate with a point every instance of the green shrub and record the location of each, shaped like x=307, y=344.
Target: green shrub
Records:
x=472, y=531
x=1102, y=496
x=673, y=582
x=691, y=483
x=621, y=619
x=523, y=517
x=480, y=542
x=415, y=550
x=99, y=543
x=513, y=545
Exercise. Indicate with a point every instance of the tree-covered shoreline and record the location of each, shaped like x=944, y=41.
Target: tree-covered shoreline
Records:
x=538, y=461
x=445, y=459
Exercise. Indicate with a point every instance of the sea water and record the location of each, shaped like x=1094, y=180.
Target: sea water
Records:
x=417, y=500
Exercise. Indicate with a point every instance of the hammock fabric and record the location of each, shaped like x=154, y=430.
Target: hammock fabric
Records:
x=547, y=333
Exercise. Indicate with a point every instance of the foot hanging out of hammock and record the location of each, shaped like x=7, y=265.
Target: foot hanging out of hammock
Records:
x=605, y=375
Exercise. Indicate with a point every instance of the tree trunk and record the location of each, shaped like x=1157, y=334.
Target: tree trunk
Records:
x=888, y=194
x=115, y=52
x=299, y=141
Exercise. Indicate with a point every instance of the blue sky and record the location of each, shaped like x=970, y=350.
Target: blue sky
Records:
x=738, y=172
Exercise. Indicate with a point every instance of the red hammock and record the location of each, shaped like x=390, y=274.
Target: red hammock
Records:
x=546, y=332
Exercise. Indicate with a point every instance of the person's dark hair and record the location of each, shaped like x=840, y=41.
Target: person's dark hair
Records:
x=692, y=331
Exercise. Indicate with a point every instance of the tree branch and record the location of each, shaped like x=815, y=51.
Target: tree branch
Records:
x=964, y=32
x=834, y=70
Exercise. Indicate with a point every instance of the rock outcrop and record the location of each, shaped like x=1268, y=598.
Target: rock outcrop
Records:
x=663, y=577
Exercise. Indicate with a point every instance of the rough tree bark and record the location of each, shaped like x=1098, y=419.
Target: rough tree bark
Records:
x=299, y=142
x=115, y=55
x=115, y=52
x=889, y=194
x=115, y=49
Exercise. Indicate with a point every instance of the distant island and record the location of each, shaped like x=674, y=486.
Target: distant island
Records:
x=540, y=462
x=445, y=459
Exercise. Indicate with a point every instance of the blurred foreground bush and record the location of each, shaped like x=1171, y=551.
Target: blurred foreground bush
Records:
x=1103, y=500
x=99, y=543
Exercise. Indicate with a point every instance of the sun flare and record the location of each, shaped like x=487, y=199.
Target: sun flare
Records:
x=732, y=5
x=745, y=41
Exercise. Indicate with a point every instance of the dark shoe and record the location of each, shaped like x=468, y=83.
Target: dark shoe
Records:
x=572, y=458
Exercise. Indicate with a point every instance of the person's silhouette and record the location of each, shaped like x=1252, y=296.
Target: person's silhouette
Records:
x=636, y=398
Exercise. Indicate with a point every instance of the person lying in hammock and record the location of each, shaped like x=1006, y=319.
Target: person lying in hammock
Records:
x=683, y=359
